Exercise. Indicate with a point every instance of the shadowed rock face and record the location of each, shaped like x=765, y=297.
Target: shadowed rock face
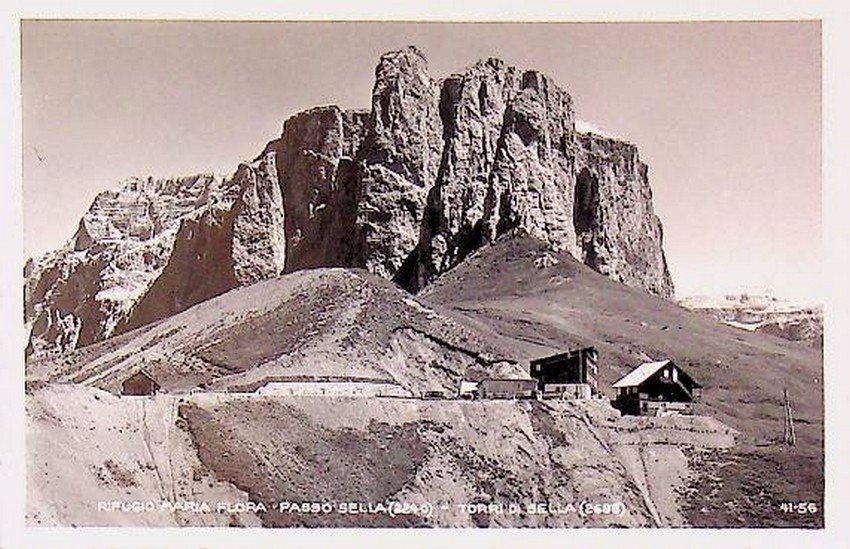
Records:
x=472, y=111
x=408, y=189
x=513, y=161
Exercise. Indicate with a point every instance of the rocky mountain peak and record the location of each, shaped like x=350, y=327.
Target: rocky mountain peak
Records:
x=431, y=172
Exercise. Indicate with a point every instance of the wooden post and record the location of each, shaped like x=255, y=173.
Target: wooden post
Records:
x=789, y=434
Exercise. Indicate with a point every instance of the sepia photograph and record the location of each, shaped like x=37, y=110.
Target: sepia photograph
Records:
x=545, y=275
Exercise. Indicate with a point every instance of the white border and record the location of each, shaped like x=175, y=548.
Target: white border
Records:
x=835, y=17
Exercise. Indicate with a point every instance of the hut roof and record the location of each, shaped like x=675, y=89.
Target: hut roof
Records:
x=141, y=373
x=562, y=356
x=640, y=374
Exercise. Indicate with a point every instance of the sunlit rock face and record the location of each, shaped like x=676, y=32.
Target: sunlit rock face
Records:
x=153, y=248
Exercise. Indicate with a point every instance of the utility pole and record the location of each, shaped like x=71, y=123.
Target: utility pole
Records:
x=789, y=435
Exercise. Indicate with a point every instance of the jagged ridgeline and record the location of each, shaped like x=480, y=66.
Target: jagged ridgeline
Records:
x=434, y=170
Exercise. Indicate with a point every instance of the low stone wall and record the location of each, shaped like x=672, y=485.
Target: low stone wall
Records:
x=653, y=408
x=698, y=431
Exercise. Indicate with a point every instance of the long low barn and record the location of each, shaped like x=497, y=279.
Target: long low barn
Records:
x=507, y=388
x=331, y=388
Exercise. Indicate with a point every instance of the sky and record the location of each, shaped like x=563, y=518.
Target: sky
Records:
x=726, y=115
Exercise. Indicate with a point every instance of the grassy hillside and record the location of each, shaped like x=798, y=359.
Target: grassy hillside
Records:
x=525, y=292
x=324, y=323
x=555, y=307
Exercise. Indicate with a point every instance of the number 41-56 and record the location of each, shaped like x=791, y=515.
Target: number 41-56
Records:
x=801, y=507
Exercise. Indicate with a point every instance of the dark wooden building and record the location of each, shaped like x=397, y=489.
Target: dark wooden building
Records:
x=507, y=388
x=571, y=368
x=138, y=384
x=657, y=387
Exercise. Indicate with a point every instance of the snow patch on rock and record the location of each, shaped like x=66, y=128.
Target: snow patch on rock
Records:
x=583, y=126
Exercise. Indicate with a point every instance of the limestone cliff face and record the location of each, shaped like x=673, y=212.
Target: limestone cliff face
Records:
x=531, y=184
x=315, y=170
x=434, y=170
x=618, y=233
x=259, y=242
x=398, y=161
x=513, y=161
x=472, y=112
x=152, y=248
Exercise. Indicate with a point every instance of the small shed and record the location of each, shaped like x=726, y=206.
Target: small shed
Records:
x=139, y=384
x=654, y=388
x=572, y=372
x=507, y=388
x=467, y=389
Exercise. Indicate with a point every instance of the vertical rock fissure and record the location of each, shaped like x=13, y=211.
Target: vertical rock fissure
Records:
x=585, y=215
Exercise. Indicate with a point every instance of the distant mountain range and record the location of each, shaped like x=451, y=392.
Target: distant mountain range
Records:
x=765, y=314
